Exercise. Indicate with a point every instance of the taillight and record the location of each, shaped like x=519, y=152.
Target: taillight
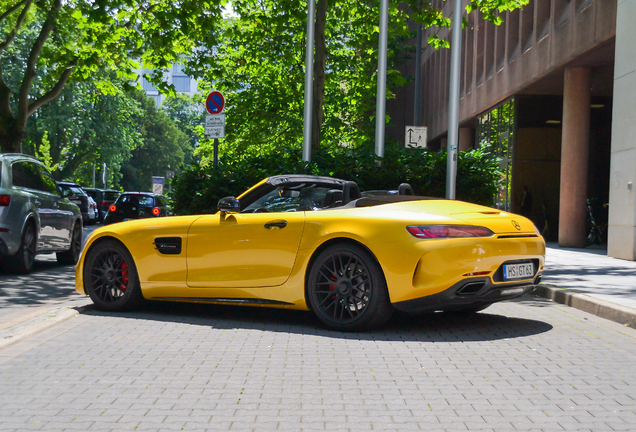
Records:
x=5, y=200
x=156, y=211
x=113, y=208
x=448, y=231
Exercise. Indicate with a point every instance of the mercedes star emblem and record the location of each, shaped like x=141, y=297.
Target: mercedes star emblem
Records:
x=516, y=225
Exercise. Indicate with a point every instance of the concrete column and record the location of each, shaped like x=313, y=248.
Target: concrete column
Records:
x=574, y=157
x=466, y=136
x=621, y=241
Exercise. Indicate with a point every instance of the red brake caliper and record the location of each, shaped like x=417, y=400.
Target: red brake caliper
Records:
x=124, y=273
x=332, y=287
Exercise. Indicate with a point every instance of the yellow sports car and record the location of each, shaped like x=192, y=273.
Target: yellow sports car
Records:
x=319, y=244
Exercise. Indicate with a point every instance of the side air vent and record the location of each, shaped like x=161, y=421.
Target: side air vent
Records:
x=517, y=236
x=168, y=245
x=471, y=288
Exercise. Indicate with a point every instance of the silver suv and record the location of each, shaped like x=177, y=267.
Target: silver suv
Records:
x=34, y=216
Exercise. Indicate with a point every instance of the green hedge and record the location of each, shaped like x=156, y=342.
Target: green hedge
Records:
x=198, y=189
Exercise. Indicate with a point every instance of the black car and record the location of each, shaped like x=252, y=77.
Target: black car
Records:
x=104, y=199
x=137, y=205
x=76, y=194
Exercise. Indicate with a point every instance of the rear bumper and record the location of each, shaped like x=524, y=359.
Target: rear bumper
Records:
x=468, y=293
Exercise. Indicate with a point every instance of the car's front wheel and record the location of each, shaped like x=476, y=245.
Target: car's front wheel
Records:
x=110, y=277
x=346, y=289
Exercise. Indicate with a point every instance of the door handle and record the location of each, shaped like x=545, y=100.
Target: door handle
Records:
x=276, y=224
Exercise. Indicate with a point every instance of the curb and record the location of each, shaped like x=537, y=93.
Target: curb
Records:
x=42, y=322
x=601, y=308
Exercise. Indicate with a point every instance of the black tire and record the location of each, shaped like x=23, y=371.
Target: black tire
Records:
x=22, y=261
x=110, y=277
x=346, y=289
x=71, y=256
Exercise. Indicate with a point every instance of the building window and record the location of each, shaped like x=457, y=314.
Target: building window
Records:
x=561, y=12
x=543, y=19
x=181, y=84
x=495, y=135
x=527, y=26
x=582, y=4
x=177, y=69
x=470, y=43
x=490, y=50
x=513, y=34
x=147, y=85
x=479, y=59
x=157, y=99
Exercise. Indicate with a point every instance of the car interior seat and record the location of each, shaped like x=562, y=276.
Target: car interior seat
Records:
x=350, y=191
x=405, y=189
x=333, y=198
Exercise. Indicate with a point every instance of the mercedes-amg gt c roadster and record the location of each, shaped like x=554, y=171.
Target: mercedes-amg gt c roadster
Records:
x=318, y=243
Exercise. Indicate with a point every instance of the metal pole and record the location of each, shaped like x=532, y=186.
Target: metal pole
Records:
x=93, y=176
x=418, y=76
x=216, y=153
x=380, y=103
x=453, y=103
x=309, y=80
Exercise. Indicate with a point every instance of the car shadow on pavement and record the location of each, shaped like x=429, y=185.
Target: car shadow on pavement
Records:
x=47, y=281
x=436, y=327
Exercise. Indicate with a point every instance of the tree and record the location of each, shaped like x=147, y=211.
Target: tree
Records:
x=52, y=42
x=86, y=127
x=259, y=64
x=188, y=114
x=164, y=147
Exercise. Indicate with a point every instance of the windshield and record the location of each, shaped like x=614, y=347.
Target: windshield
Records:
x=140, y=200
x=282, y=199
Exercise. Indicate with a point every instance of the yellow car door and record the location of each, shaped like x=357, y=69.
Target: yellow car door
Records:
x=243, y=249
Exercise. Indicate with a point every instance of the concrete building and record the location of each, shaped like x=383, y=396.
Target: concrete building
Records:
x=553, y=92
x=182, y=83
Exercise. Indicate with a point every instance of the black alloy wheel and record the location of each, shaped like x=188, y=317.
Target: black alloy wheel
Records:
x=110, y=277
x=71, y=256
x=347, y=290
x=22, y=261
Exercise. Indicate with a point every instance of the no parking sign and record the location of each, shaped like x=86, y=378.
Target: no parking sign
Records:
x=215, y=103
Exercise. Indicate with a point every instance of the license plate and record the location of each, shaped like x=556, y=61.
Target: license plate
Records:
x=518, y=271
x=127, y=219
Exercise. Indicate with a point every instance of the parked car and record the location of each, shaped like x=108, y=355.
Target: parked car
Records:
x=104, y=198
x=76, y=194
x=137, y=205
x=316, y=243
x=93, y=213
x=34, y=216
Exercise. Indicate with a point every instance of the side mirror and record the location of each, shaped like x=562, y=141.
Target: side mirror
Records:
x=229, y=205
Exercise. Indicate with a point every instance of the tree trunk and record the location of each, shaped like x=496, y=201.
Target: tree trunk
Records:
x=11, y=141
x=320, y=60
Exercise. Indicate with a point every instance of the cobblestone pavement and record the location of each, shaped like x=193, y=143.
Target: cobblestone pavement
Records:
x=524, y=365
x=49, y=282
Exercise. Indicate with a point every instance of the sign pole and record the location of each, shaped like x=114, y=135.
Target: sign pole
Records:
x=453, y=103
x=216, y=153
x=380, y=103
x=309, y=80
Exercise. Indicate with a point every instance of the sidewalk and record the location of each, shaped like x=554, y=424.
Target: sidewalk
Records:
x=590, y=280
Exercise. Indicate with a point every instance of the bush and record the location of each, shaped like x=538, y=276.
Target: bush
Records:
x=198, y=189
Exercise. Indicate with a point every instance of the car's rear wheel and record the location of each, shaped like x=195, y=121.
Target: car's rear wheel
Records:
x=71, y=256
x=22, y=261
x=110, y=277
x=346, y=289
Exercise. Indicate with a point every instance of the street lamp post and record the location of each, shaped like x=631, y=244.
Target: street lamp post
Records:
x=453, y=103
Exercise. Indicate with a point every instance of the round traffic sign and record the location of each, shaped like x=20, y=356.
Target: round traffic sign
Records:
x=215, y=103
